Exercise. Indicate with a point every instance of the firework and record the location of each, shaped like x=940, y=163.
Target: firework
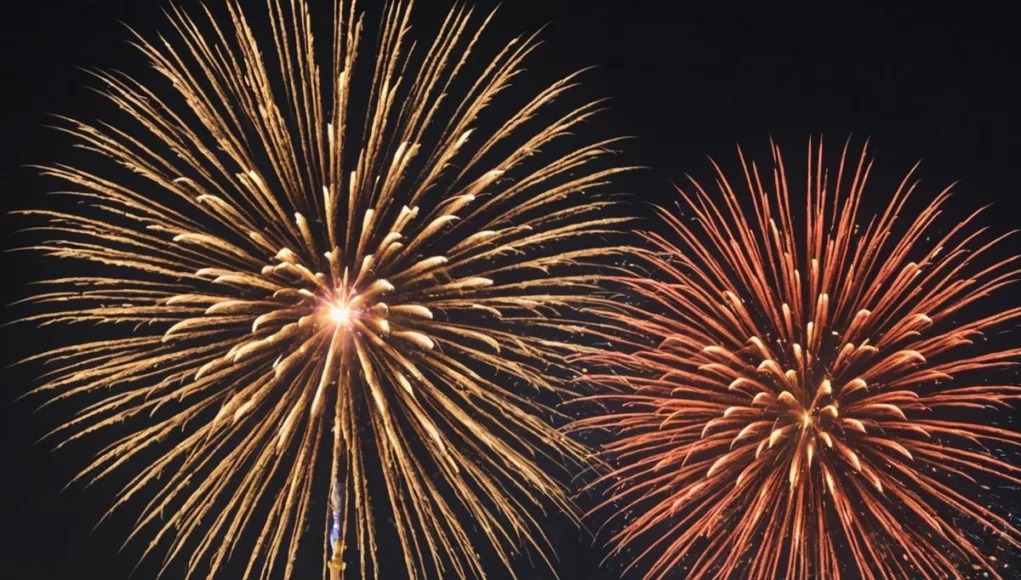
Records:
x=819, y=396
x=314, y=279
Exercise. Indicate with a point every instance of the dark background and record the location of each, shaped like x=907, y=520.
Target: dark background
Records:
x=937, y=83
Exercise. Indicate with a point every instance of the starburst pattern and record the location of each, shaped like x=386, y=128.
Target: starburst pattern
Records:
x=820, y=397
x=318, y=280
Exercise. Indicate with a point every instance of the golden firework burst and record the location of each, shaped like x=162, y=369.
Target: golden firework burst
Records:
x=317, y=279
x=817, y=399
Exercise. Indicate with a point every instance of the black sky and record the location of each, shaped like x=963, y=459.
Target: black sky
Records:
x=688, y=79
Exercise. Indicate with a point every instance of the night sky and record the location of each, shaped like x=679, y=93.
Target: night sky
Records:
x=687, y=81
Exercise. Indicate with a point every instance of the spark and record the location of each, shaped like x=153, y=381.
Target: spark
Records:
x=808, y=399
x=340, y=314
x=316, y=277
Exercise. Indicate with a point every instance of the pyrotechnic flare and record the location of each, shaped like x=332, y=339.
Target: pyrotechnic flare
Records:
x=326, y=276
x=816, y=398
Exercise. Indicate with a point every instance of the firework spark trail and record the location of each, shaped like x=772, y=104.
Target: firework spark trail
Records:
x=293, y=273
x=817, y=397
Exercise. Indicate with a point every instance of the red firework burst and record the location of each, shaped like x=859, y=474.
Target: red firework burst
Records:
x=817, y=401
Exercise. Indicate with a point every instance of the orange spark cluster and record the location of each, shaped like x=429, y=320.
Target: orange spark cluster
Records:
x=816, y=398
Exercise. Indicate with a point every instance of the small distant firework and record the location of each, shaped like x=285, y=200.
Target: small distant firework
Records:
x=823, y=398
x=314, y=278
